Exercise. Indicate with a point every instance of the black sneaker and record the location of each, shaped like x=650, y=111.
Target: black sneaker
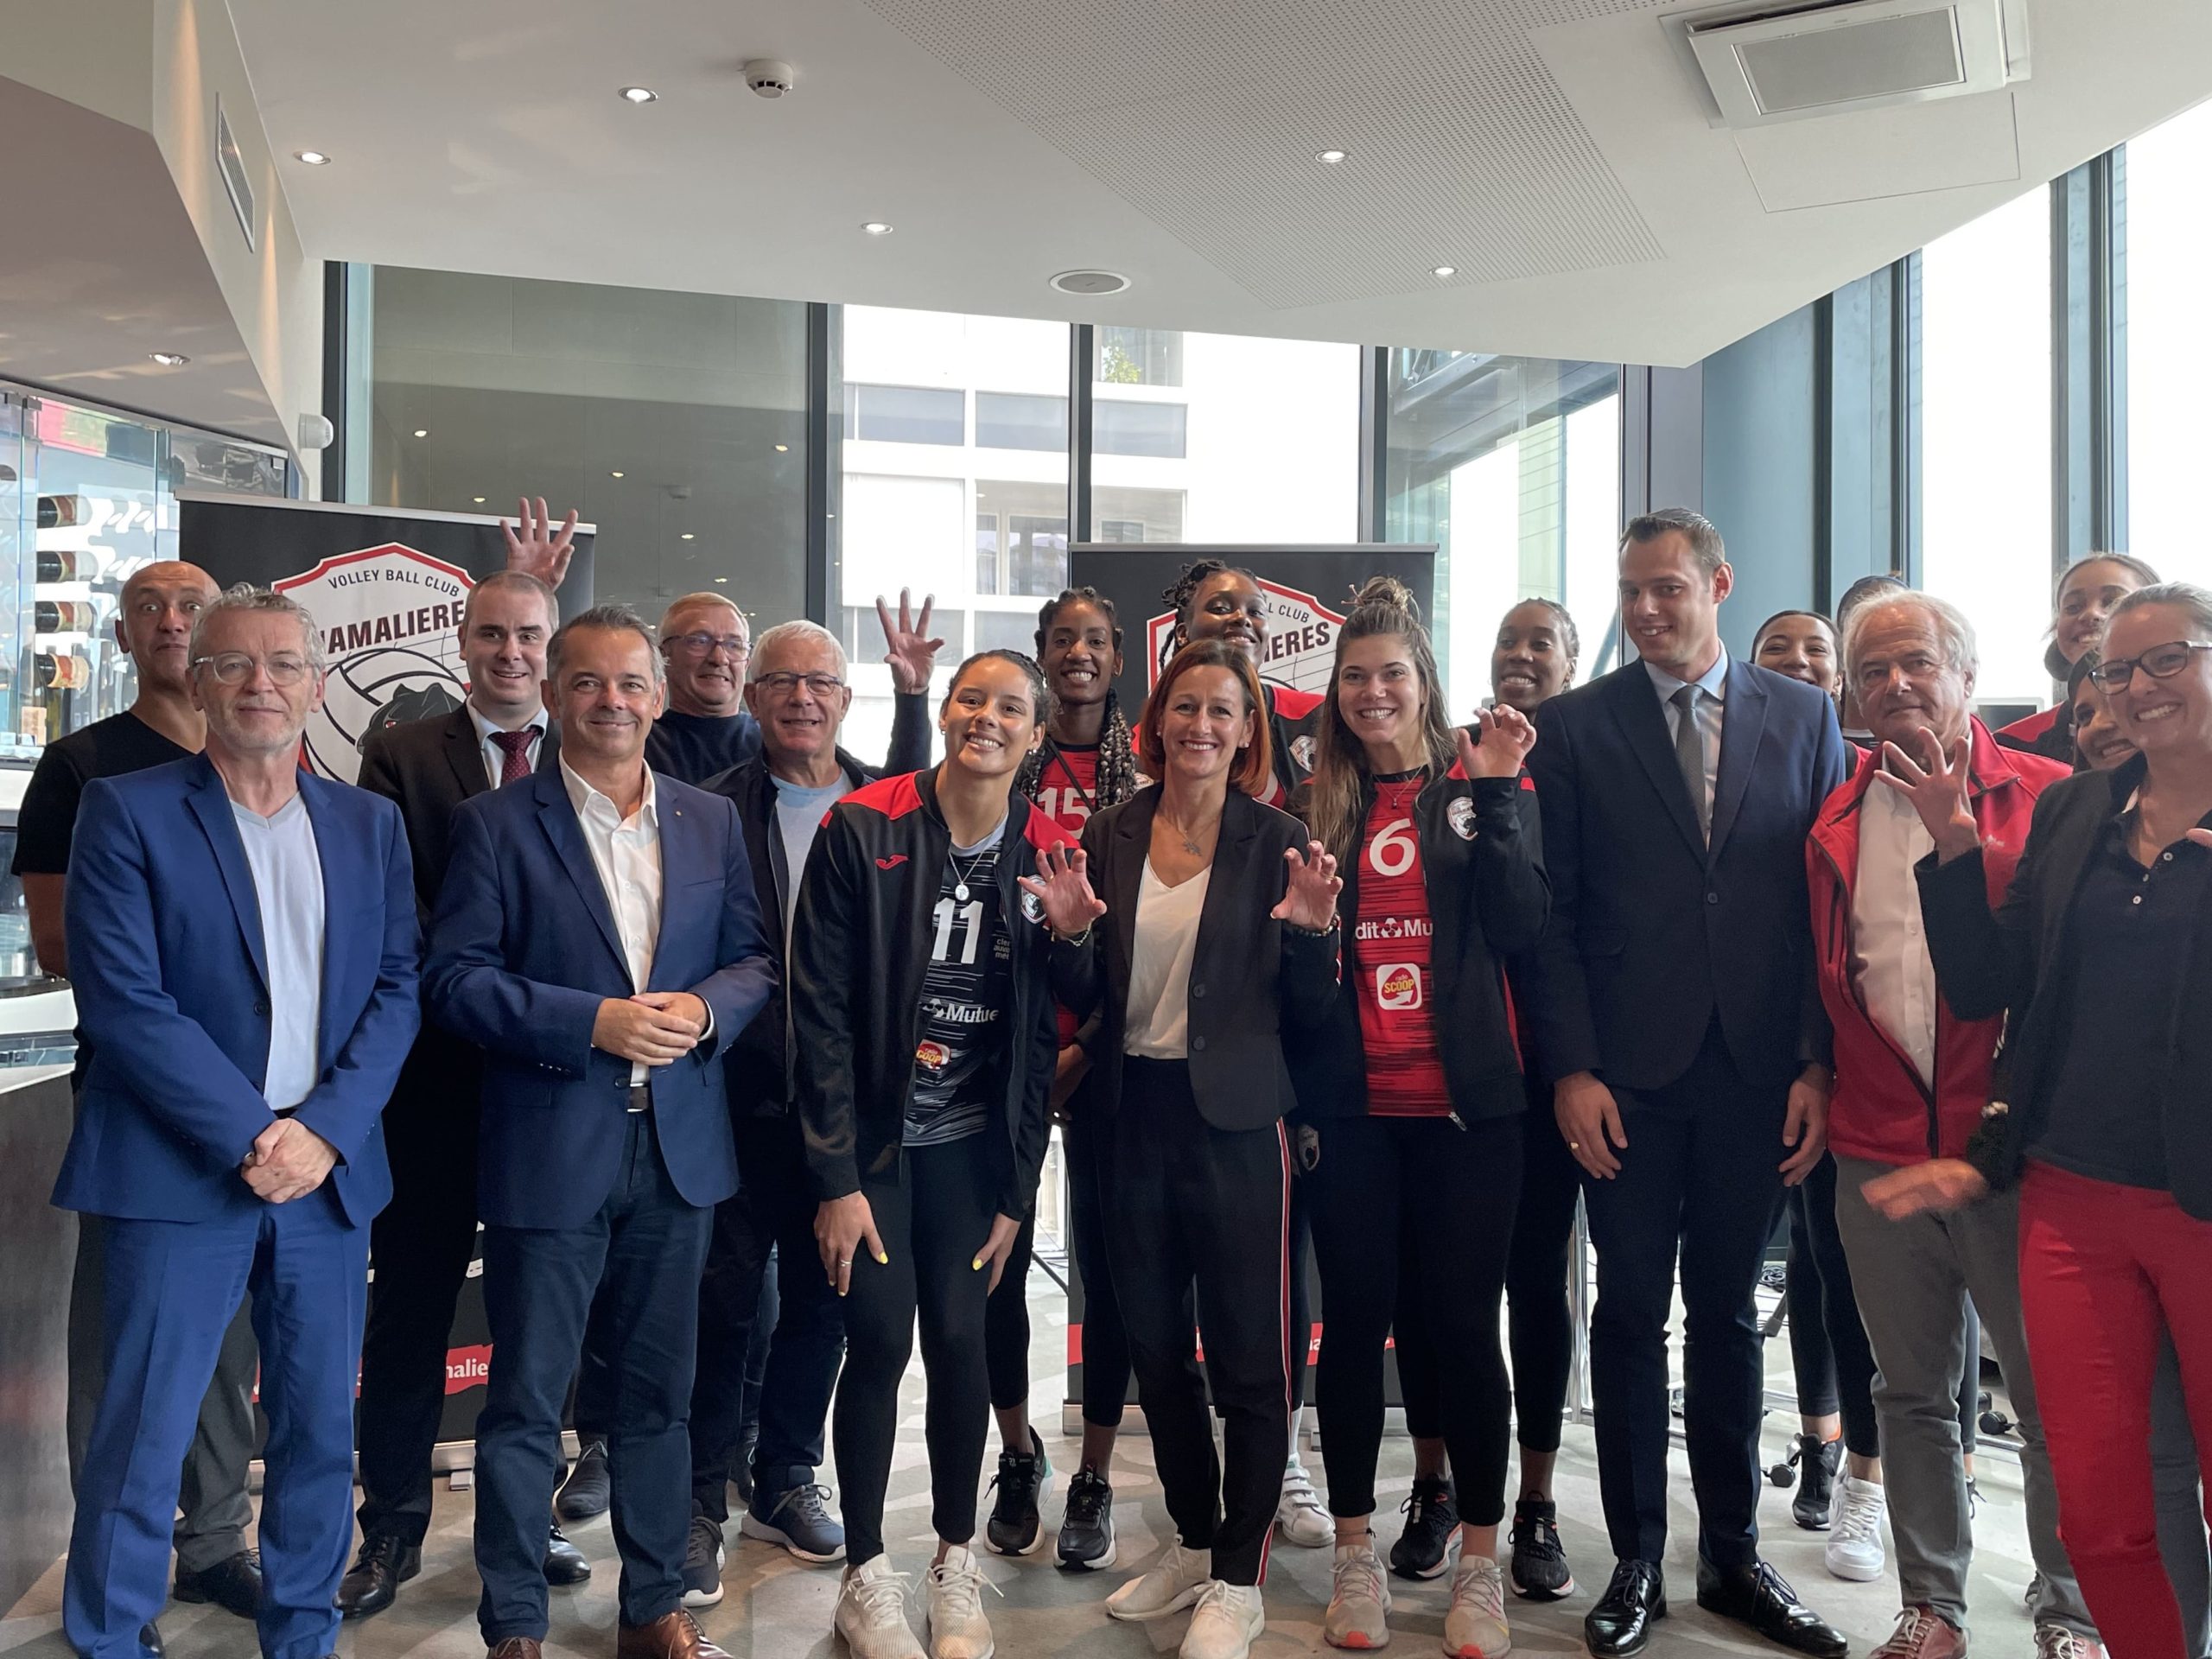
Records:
x=586, y=1491
x=1424, y=1549
x=702, y=1563
x=1024, y=1482
x=741, y=1473
x=1538, y=1570
x=1087, y=1527
x=1816, y=1462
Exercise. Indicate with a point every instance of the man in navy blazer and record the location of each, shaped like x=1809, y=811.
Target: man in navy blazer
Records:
x=243, y=940
x=598, y=937
x=1676, y=1016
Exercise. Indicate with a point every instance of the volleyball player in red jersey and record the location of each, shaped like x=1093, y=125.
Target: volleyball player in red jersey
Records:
x=1412, y=1092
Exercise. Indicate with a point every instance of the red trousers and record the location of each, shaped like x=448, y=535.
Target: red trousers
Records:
x=2103, y=1270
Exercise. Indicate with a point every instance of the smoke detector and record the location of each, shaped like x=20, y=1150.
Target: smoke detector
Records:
x=769, y=77
x=1091, y=283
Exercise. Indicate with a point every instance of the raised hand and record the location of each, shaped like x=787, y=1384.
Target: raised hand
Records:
x=1311, y=901
x=907, y=646
x=1065, y=889
x=538, y=550
x=1938, y=785
x=1498, y=747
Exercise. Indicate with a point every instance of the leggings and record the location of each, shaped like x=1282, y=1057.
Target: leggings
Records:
x=1005, y=1324
x=1419, y=1207
x=933, y=1215
x=1827, y=1344
x=1193, y=1205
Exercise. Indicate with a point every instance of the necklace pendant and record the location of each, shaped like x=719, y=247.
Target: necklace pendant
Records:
x=960, y=891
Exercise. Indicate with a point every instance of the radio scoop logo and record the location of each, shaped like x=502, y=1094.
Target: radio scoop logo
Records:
x=391, y=623
x=1300, y=651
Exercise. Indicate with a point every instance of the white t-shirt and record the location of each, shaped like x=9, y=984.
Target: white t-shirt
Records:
x=1157, y=1023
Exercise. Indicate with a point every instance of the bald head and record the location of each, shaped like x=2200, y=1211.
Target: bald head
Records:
x=705, y=642
x=161, y=602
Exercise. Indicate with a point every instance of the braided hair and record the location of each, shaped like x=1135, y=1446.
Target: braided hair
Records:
x=1117, y=766
x=1185, y=587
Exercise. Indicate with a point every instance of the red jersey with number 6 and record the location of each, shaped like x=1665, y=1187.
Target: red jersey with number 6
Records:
x=1391, y=939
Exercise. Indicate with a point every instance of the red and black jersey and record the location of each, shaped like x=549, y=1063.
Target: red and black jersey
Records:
x=1291, y=717
x=1391, y=936
x=1067, y=787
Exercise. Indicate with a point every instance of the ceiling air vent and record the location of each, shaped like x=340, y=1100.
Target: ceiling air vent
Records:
x=1091, y=283
x=1781, y=63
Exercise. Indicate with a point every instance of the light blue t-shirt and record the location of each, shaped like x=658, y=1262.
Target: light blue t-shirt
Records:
x=281, y=852
x=798, y=815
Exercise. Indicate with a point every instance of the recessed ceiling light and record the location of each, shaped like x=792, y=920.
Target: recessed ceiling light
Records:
x=722, y=580
x=169, y=359
x=688, y=535
x=1332, y=157
x=783, y=449
x=615, y=474
x=312, y=157
x=876, y=227
x=639, y=95
x=477, y=499
x=422, y=431
x=1445, y=270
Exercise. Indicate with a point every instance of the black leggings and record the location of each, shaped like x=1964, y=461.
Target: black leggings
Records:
x=1421, y=1205
x=1829, y=1349
x=1187, y=1205
x=934, y=1219
x=1005, y=1324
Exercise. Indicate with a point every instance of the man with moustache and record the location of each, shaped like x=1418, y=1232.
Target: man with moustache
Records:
x=598, y=938
x=706, y=728
x=243, y=941
x=153, y=624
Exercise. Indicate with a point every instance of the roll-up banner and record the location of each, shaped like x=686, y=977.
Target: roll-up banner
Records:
x=1307, y=590
x=385, y=586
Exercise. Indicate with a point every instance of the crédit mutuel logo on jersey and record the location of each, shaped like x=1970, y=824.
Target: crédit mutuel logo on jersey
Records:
x=1300, y=651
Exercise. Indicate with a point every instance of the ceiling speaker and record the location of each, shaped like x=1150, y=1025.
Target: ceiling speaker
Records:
x=1091, y=283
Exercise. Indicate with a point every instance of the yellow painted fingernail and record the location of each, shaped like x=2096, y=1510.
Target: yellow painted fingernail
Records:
x=976, y=1265
x=882, y=1260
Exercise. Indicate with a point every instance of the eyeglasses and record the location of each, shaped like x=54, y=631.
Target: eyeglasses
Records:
x=783, y=683
x=232, y=668
x=2160, y=663
x=698, y=645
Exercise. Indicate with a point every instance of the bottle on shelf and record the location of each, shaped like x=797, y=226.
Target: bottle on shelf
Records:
x=62, y=671
x=57, y=511
x=64, y=616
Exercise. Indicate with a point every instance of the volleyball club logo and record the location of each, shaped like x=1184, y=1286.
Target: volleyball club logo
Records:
x=389, y=619
x=1300, y=651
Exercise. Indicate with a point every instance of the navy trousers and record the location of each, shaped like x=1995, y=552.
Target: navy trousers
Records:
x=172, y=1288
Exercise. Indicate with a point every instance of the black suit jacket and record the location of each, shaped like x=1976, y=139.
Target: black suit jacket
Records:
x=1652, y=930
x=1249, y=977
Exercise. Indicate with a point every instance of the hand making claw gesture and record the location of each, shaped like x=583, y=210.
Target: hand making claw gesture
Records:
x=1064, y=890
x=539, y=549
x=1311, y=902
x=907, y=646
x=1499, y=744
x=1940, y=786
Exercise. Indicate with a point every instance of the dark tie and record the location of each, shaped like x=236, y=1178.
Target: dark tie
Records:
x=515, y=748
x=1689, y=755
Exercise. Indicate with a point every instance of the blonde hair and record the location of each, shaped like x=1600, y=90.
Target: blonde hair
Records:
x=1385, y=606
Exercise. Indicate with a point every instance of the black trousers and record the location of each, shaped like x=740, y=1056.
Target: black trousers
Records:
x=1190, y=1204
x=1829, y=1348
x=934, y=1218
x=420, y=1247
x=1418, y=1209
x=1005, y=1324
x=1088, y=1142
x=1698, y=1181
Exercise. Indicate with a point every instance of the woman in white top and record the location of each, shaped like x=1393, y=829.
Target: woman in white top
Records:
x=1213, y=925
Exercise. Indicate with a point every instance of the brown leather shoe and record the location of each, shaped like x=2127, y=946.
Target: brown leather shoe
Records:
x=514, y=1647
x=672, y=1636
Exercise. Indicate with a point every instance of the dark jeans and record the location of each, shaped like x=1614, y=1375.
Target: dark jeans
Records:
x=1698, y=1180
x=1827, y=1344
x=643, y=1254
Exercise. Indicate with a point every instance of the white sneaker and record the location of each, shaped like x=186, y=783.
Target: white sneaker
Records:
x=1854, y=1548
x=1168, y=1588
x=1475, y=1626
x=1300, y=1514
x=1359, y=1604
x=1228, y=1617
x=953, y=1595
x=872, y=1613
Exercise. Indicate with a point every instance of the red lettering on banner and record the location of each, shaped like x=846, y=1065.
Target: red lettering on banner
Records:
x=468, y=1368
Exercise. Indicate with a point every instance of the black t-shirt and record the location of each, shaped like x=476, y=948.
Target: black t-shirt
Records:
x=692, y=749
x=47, y=822
x=966, y=990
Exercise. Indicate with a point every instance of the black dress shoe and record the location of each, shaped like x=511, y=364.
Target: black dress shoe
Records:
x=149, y=1637
x=1757, y=1595
x=1621, y=1623
x=588, y=1487
x=369, y=1584
x=741, y=1474
x=564, y=1562
x=233, y=1585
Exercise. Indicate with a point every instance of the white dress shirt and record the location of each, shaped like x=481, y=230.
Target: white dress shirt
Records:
x=281, y=852
x=1157, y=1023
x=1897, y=976
x=627, y=853
x=495, y=757
x=1711, y=705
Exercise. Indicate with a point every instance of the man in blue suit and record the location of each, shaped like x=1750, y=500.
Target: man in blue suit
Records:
x=1676, y=1016
x=243, y=939
x=597, y=936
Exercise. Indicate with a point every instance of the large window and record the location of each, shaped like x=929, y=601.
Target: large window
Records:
x=2168, y=242
x=1511, y=466
x=1986, y=437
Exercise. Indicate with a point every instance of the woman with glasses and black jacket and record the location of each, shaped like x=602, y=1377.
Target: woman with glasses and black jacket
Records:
x=1211, y=930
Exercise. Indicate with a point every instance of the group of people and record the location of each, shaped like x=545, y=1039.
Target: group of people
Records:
x=746, y=1055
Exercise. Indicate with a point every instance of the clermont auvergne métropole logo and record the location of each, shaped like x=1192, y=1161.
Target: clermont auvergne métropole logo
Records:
x=391, y=624
x=1300, y=651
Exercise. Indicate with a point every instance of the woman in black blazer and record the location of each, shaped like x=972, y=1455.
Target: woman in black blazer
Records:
x=2101, y=954
x=1212, y=926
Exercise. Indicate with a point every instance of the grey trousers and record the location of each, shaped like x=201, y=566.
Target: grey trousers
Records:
x=1912, y=1279
x=2180, y=1504
x=212, y=1509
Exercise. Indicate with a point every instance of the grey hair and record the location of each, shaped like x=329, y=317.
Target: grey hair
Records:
x=1949, y=622
x=791, y=633
x=1703, y=536
x=604, y=618
x=2182, y=596
x=246, y=597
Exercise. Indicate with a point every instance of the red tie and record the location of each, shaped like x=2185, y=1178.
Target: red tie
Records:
x=515, y=746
